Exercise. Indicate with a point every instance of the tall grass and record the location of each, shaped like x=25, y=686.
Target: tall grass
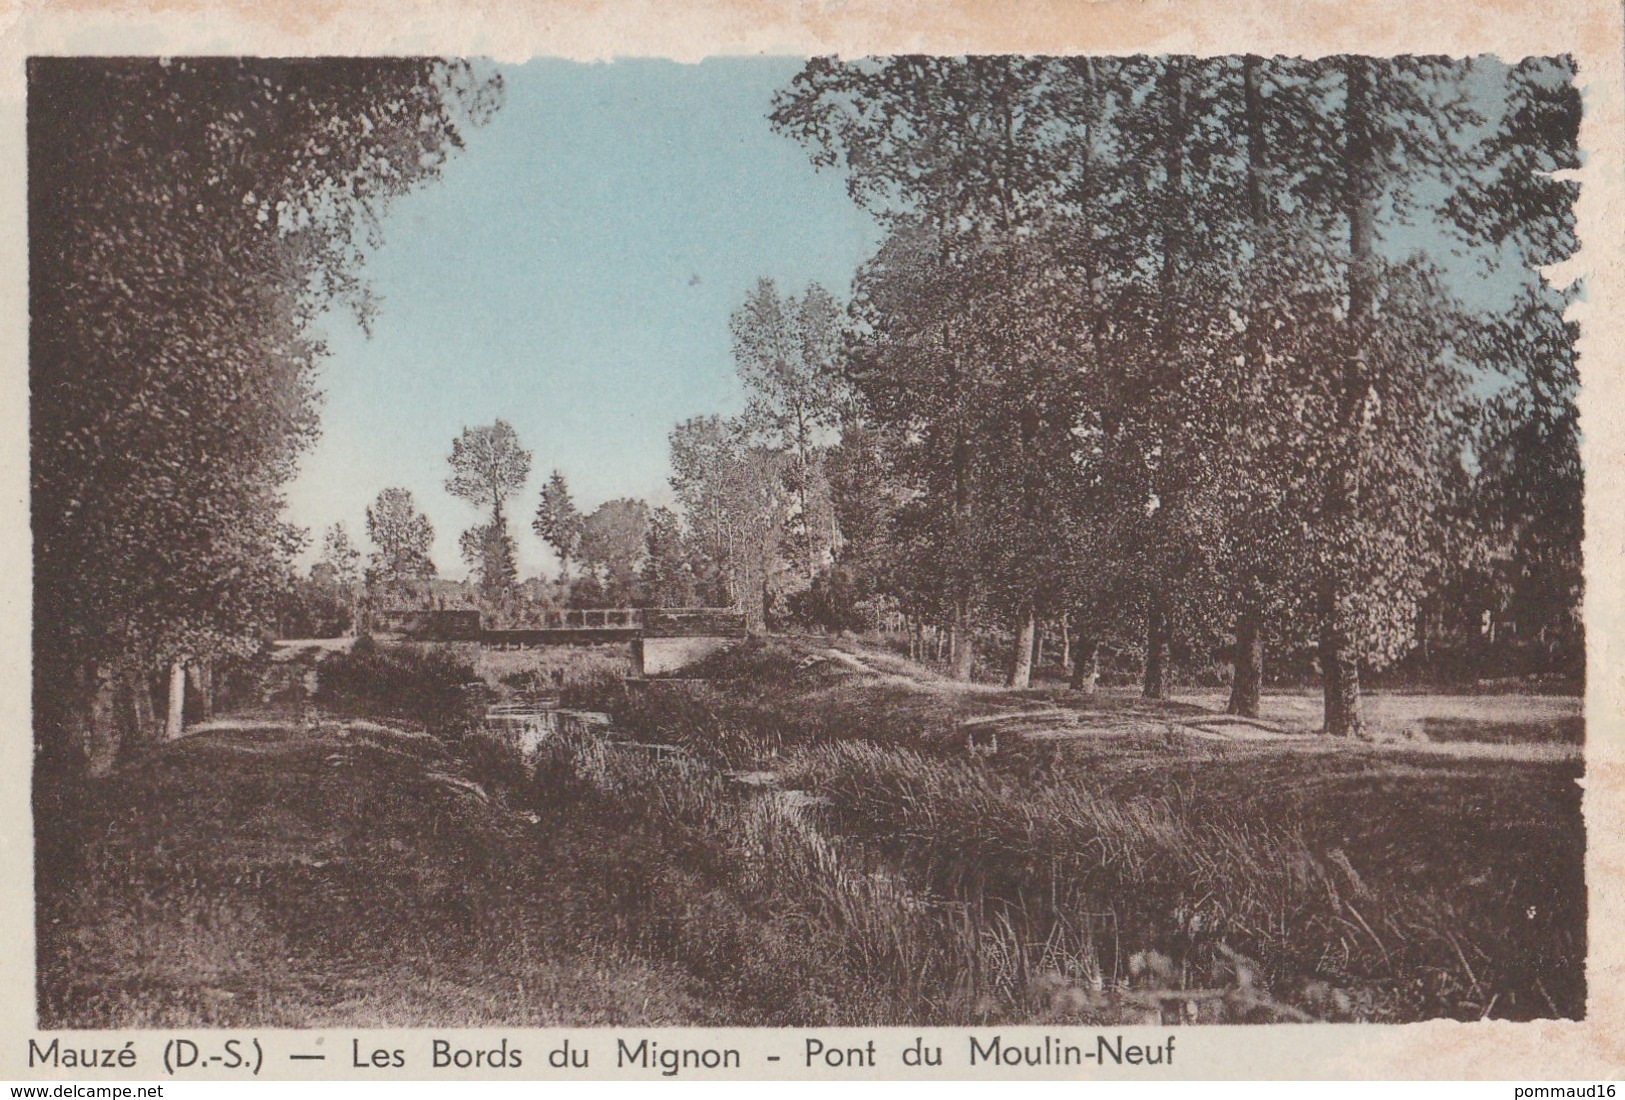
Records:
x=1015, y=890
x=740, y=886
x=751, y=889
x=1169, y=891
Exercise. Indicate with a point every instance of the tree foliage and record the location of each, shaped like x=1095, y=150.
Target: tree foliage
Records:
x=1146, y=346
x=188, y=219
x=614, y=540
x=340, y=557
x=787, y=353
x=558, y=522
x=488, y=466
x=401, y=537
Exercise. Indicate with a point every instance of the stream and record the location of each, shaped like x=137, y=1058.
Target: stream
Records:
x=531, y=722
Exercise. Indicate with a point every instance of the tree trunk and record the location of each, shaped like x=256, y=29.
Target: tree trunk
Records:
x=1156, y=652
x=1086, y=669
x=102, y=743
x=1021, y=667
x=1038, y=646
x=176, y=719
x=1340, y=676
x=1339, y=668
x=964, y=647
x=1339, y=672
x=77, y=722
x=144, y=722
x=202, y=677
x=1247, y=677
x=1066, y=643
x=806, y=522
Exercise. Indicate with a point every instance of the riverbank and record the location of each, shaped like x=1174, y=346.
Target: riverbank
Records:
x=806, y=833
x=1037, y=856
x=281, y=870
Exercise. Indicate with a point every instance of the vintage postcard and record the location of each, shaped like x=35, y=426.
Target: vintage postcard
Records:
x=813, y=540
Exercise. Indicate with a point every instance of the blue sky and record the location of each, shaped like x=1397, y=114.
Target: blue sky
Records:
x=572, y=272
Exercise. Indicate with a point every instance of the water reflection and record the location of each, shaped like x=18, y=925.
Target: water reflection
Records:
x=530, y=722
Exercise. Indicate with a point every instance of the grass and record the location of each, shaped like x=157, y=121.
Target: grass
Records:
x=1355, y=881
x=335, y=875
x=834, y=841
x=550, y=669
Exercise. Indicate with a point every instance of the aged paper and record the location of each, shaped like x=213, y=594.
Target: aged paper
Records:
x=504, y=36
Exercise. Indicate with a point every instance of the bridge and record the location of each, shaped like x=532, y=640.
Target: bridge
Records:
x=662, y=639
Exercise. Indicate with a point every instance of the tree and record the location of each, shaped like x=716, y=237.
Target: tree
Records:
x=786, y=351
x=667, y=577
x=401, y=537
x=867, y=496
x=188, y=219
x=489, y=552
x=732, y=495
x=614, y=540
x=313, y=607
x=340, y=562
x=557, y=522
x=950, y=155
x=1147, y=341
x=1390, y=386
x=487, y=467
x=1529, y=492
x=340, y=556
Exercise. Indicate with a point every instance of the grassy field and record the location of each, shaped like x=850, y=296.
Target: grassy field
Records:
x=828, y=835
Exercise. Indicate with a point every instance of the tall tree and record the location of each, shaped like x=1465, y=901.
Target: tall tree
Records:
x=614, y=540
x=667, y=577
x=1529, y=492
x=949, y=154
x=340, y=556
x=732, y=495
x=341, y=562
x=1380, y=385
x=401, y=537
x=558, y=522
x=786, y=351
x=1253, y=400
x=188, y=219
x=488, y=466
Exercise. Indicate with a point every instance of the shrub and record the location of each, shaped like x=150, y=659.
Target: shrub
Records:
x=432, y=686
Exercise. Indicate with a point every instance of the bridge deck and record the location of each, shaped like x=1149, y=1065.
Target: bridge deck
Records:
x=590, y=626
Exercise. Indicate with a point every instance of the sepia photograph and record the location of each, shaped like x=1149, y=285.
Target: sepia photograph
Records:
x=929, y=539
